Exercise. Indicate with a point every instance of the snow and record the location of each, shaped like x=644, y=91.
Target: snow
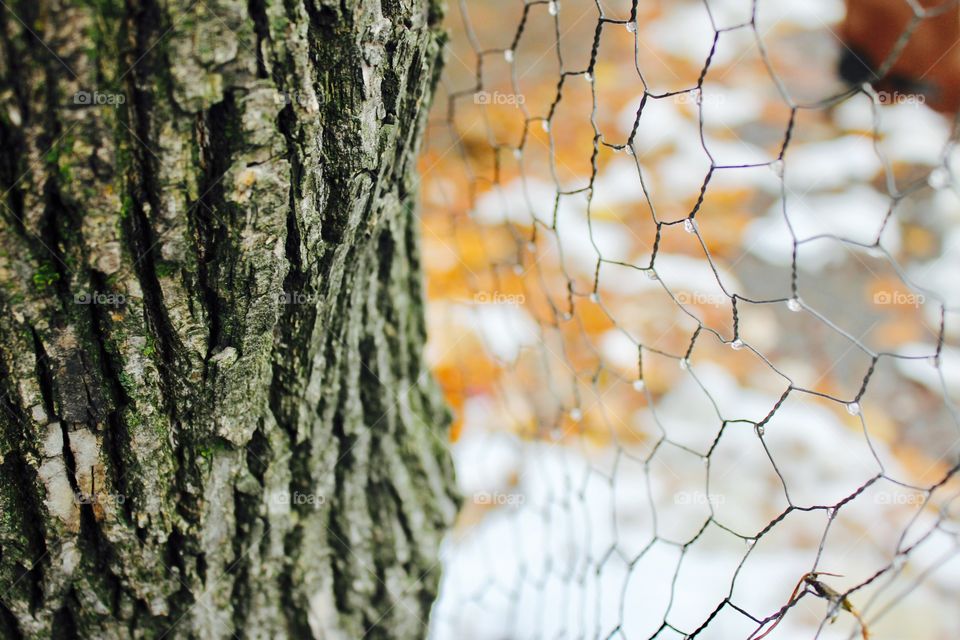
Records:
x=939, y=276
x=830, y=164
x=856, y=214
x=946, y=377
x=583, y=509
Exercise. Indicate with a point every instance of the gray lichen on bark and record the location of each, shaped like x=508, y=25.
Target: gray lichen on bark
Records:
x=216, y=420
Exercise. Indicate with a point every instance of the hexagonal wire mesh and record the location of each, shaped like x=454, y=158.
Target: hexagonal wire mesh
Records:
x=691, y=300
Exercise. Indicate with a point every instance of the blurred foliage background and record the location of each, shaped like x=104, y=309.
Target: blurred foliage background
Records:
x=693, y=304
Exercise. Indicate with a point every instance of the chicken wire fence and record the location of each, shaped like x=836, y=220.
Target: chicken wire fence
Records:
x=692, y=299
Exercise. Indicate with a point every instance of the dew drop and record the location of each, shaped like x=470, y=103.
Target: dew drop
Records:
x=794, y=305
x=760, y=429
x=939, y=178
x=631, y=26
x=737, y=344
x=684, y=363
x=853, y=408
x=638, y=385
x=567, y=316
x=553, y=8
x=777, y=167
x=652, y=275
x=531, y=246
x=576, y=415
x=545, y=124
x=688, y=225
x=508, y=55
x=628, y=149
x=588, y=76
x=594, y=298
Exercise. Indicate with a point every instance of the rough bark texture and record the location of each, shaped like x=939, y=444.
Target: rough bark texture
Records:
x=215, y=418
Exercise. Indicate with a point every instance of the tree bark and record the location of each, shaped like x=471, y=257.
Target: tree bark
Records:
x=216, y=419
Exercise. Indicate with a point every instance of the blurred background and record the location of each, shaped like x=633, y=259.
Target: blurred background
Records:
x=694, y=304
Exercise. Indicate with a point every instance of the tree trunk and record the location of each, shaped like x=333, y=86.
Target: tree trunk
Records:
x=216, y=420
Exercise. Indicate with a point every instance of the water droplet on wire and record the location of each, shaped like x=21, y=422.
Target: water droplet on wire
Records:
x=939, y=178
